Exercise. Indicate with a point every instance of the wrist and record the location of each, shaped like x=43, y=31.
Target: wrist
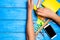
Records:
x=54, y=17
x=30, y=10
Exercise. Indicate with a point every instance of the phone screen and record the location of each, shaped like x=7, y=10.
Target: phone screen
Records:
x=50, y=31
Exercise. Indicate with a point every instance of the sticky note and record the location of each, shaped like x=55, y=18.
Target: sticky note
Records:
x=35, y=7
x=39, y=21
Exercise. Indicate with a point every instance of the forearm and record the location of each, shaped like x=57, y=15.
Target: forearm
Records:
x=56, y=18
x=30, y=28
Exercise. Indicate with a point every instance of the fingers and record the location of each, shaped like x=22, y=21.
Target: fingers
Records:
x=30, y=1
x=40, y=10
x=39, y=13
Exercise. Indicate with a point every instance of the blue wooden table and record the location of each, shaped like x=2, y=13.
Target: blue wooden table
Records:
x=13, y=17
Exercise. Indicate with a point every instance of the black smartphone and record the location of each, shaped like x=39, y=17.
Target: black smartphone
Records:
x=49, y=30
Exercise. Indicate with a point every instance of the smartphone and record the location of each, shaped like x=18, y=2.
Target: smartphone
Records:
x=49, y=30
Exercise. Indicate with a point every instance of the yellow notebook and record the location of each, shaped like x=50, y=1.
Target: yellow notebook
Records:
x=54, y=5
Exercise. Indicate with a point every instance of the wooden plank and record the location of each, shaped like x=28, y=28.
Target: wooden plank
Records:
x=12, y=26
x=55, y=26
x=14, y=13
x=13, y=3
x=58, y=12
x=12, y=36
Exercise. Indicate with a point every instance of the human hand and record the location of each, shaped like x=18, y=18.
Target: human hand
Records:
x=45, y=12
x=30, y=5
